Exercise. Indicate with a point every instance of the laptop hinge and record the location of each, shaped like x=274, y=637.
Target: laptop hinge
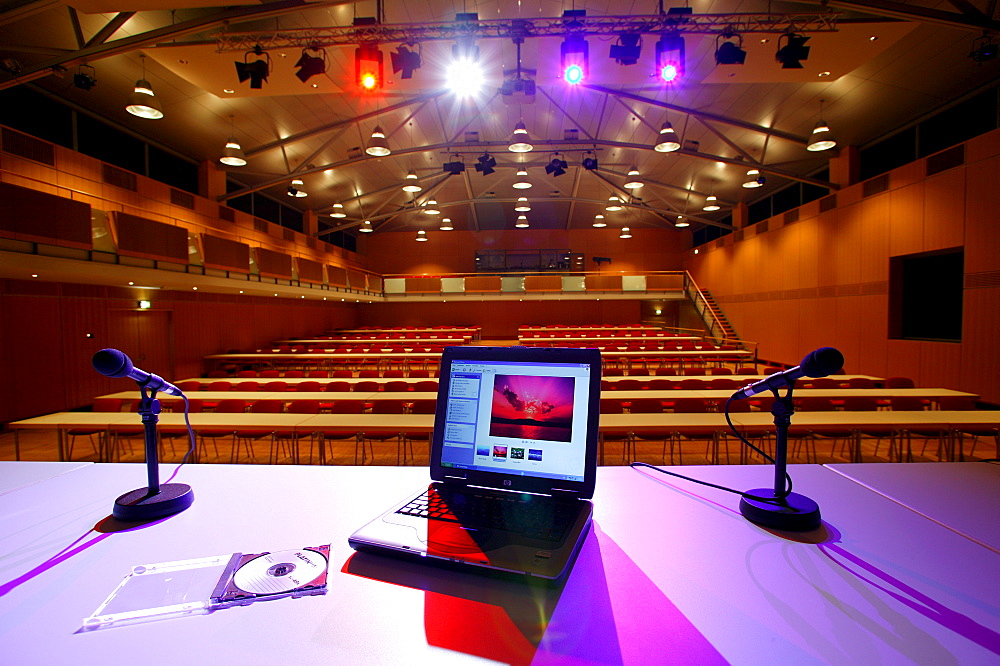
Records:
x=566, y=490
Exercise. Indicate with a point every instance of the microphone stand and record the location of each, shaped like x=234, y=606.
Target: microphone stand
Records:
x=154, y=501
x=778, y=508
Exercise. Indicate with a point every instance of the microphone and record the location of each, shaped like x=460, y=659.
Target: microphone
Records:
x=820, y=363
x=114, y=363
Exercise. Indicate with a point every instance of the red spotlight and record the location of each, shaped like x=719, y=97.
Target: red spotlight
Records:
x=368, y=67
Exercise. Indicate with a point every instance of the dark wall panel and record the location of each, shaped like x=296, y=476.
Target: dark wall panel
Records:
x=28, y=214
x=274, y=264
x=225, y=254
x=140, y=237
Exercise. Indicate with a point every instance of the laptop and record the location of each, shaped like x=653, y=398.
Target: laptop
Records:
x=513, y=464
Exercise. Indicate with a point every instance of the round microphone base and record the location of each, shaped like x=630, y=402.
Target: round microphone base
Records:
x=139, y=505
x=796, y=513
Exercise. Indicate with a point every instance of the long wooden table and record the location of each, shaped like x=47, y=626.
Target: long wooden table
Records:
x=934, y=420
x=669, y=573
x=347, y=342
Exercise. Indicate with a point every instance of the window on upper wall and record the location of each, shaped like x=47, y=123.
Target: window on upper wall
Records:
x=109, y=145
x=961, y=122
x=172, y=170
x=897, y=150
x=925, y=296
x=36, y=114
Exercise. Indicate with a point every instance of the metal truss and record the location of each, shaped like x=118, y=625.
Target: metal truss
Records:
x=519, y=29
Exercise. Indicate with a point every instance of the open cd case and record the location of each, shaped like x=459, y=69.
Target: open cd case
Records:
x=192, y=587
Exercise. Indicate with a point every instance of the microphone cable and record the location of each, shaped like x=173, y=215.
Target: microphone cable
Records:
x=191, y=440
x=772, y=500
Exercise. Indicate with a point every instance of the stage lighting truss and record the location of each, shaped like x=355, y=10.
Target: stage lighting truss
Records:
x=627, y=49
x=256, y=70
x=575, y=58
x=557, y=166
x=729, y=49
x=368, y=66
x=404, y=60
x=670, y=57
x=486, y=164
x=311, y=65
x=793, y=51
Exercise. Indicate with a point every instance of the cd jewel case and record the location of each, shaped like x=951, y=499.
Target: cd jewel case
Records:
x=192, y=587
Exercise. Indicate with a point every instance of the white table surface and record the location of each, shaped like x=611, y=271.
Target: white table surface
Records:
x=15, y=475
x=671, y=573
x=942, y=493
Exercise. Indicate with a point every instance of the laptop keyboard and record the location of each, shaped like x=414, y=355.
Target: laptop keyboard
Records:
x=522, y=514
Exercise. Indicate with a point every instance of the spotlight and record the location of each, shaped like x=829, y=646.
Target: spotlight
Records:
x=983, y=49
x=368, y=67
x=627, y=49
x=793, y=51
x=556, y=167
x=729, y=52
x=310, y=66
x=575, y=58
x=486, y=164
x=590, y=161
x=670, y=57
x=256, y=71
x=455, y=167
x=464, y=75
x=404, y=60
x=85, y=80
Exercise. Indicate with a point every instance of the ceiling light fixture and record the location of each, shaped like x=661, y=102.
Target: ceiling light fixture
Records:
x=627, y=49
x=464, y=75
x=295, y=189
x=575, y=57
x=310, y=65
x=729, y=49
x=754, y=179
x=257, y=70
x=378, y=146
x=599, y=221
x=456, y=166
x=522, y=205
x=404, y=60
x=556, y=167
x=232, y=154
x=421, y=236
x=486, y=164
x=625, y=233
x=681, y=222
x=614, y=204
x=368, y=67
x=366, y=227
x=670, y=57
x=431, y=207
x=794, y=51
x=520, y=142
x=446, y=224
x=411, y=183
x=85, y=80
x=338, y=211
x=142, y=102
x=522, y=222
x=668, y=140
x=822, y=137
x=633, y=182
x=710, y=203
x=522, y=182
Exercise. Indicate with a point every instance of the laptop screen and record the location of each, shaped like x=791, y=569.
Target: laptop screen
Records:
x=525, y=418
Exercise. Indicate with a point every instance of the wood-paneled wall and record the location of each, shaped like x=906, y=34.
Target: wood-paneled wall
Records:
x=823, y=280
x=455, y=251
x=49, y=331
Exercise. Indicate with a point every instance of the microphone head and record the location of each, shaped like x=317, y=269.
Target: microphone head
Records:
x=822, y=362
x=112, y=363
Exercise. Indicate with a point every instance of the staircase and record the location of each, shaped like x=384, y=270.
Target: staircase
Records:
x=716, y=313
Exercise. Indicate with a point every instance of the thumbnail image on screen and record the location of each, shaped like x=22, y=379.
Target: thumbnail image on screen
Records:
x=532, y=407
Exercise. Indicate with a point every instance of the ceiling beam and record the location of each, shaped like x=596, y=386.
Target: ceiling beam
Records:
x=26, y=10
x=907, y=12
x=109, y=29
x=151, y=37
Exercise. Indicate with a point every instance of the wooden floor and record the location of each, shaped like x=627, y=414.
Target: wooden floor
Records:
x=42, y=445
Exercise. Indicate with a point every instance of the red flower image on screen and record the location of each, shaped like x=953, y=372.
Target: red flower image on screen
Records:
x=531, y=407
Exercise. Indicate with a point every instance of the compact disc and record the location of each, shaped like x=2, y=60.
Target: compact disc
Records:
x=282, y=571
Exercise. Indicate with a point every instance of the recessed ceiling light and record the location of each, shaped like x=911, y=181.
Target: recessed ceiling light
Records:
x=131, y=283
x=873, y=38
x=195, y=288
x=229, y=91
x=34, y=275
x=824, y=74
x=241, y=291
